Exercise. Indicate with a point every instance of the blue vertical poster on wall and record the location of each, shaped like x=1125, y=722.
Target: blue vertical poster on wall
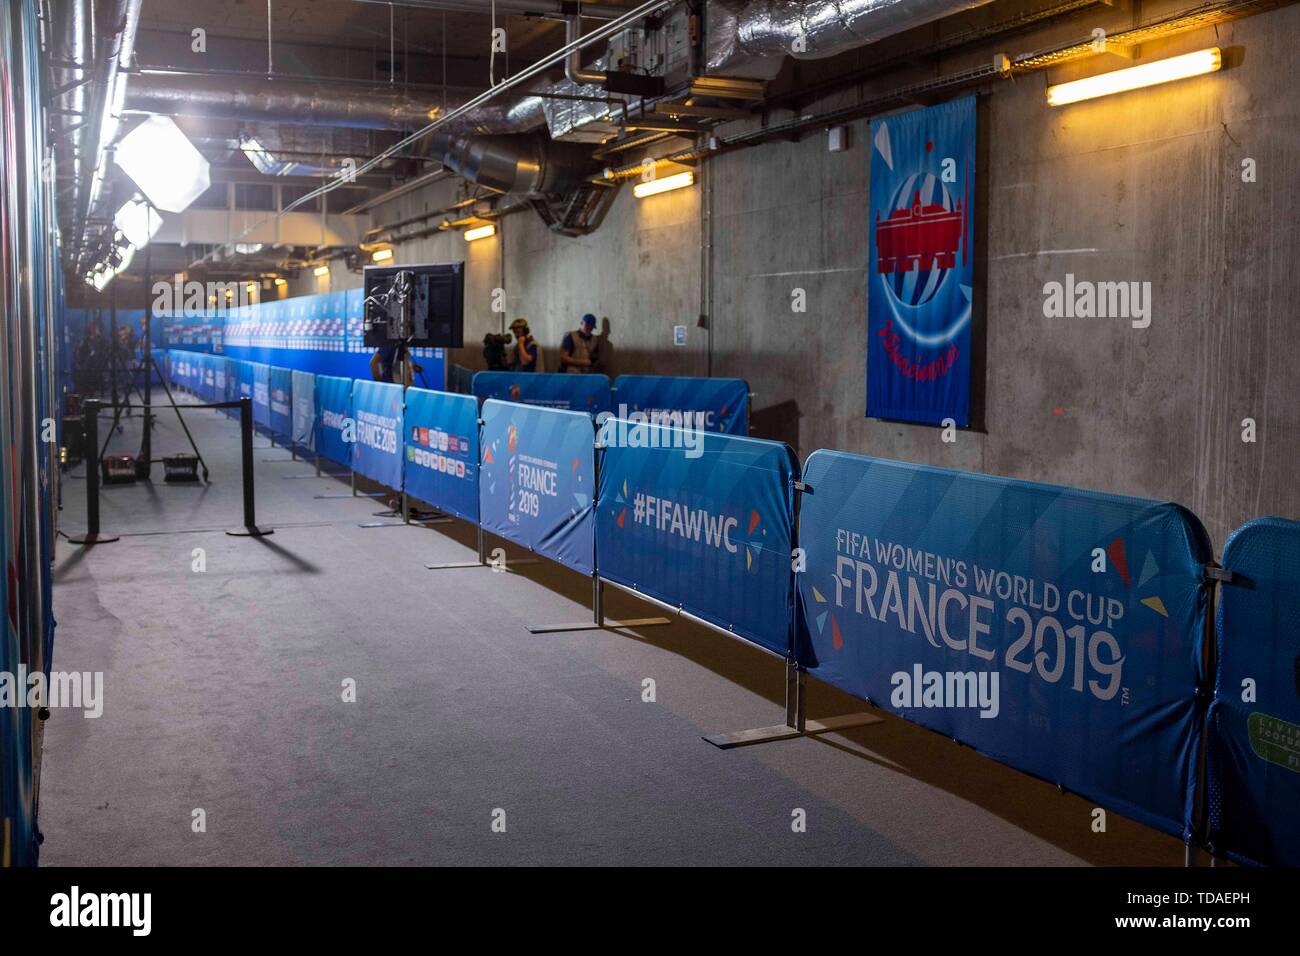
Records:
x=921, y=266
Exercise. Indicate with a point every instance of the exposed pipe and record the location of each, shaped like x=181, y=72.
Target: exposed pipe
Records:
x=115, y=28
x=573, y=63
x=419, y=182
x=740, y=36
x=71, y=52
x=281, y=100
x=549, y=9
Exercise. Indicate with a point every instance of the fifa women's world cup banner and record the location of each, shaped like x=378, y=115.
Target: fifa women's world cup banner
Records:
x=921, y=265
x=1056, y=630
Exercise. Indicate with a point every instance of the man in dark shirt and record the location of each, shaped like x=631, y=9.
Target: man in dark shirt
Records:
x=392, y=363
x=578, y=349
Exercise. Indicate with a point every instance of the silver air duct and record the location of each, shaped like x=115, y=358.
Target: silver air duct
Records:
x=525, y=164
x=750, y=39
x=308, y=103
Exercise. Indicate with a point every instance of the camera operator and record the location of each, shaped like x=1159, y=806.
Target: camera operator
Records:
x=494, y=352
x=525, y=355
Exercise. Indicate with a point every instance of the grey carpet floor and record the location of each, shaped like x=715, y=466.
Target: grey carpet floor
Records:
x=223, y=692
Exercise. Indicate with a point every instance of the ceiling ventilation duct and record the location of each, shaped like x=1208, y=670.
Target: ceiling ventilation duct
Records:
x=751, y=39
x=523, y=164
x=303, y=150
x=308, y=103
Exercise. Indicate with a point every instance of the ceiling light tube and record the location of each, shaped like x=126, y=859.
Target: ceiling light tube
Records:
x=382, y=255
x=480, y=232
x=321, y=271
x=1136, y=77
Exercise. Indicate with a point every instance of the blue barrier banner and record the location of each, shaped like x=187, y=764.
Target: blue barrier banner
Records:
x=303, y=389
x=261, y=394
x=377, y=453
x=708, y=404
x=247, y=376
x=921, y=264
x=574, y=393
x=442, y=451
x=703, y=522
x=281, y=392
x=1055, y=630
x=234, y=379
x=538, y=480
x=336, y=429
x=221, y=373
x=204, y=383
x=1254, y=725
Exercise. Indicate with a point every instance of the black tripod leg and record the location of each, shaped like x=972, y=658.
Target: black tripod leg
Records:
x=179, y=417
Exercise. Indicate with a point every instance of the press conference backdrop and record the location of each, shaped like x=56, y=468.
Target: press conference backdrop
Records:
x=320, y=333
x=701, y=521
x=538, y=480
x=1254, y=726
x=1078, y=617
x=711, y=404
x=575, y=393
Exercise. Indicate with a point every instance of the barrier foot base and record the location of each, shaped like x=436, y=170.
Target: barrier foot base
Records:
x=760, y=735
x=89, y=538
x=593, y=626
x=250, y=531
x=478, y=564
x=381, y=524
x=373, y=494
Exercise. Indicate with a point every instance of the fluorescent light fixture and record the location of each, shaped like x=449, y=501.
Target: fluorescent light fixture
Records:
x=321, y=271
x=654, y=186
x=382, y=255
x=280, y=280
x=164, y=164
x=1135, y=77
x=138, y=221
x=480, y=232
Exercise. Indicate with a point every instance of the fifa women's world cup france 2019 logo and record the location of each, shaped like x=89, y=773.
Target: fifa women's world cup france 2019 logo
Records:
x=922, y=249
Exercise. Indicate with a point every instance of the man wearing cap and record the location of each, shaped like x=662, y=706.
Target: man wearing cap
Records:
x=524, y=355
x=578, y=349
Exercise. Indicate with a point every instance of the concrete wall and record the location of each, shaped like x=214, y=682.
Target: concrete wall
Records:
x=1142, y=187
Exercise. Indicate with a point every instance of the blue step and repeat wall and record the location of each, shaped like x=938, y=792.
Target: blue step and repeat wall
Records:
x=321, y=334
x=1059, y=631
